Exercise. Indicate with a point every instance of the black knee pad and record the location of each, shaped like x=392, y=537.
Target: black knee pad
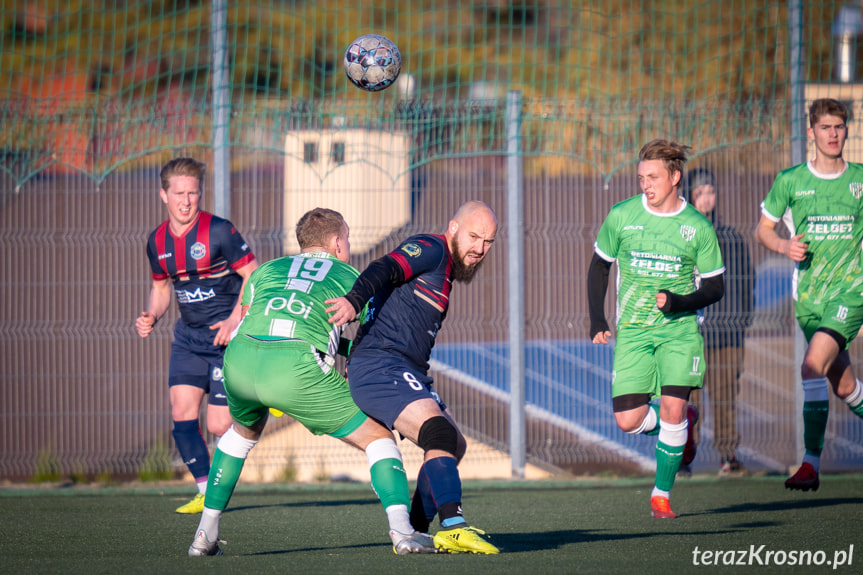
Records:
x=677, y=391
x=838, y=337
x=438, y=433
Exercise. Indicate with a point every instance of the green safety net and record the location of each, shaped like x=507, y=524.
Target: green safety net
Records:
x=90, y=85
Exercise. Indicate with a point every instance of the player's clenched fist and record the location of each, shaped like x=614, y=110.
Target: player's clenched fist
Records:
x=144, y=324
x=795, y=249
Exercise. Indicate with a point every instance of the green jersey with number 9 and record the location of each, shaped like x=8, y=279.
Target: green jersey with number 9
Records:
x=285, y=299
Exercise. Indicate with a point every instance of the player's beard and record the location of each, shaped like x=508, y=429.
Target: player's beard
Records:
x=462, y=272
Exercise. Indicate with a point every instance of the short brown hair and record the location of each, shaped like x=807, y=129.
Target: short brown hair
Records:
x=673, y=154
x=183, y=167
x=827, y=107
x=317, y=226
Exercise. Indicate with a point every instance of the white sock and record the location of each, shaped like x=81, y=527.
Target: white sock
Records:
x=210, y=523
x=647, y=424
x=397, y=515
x=383, y=448
x=815, y=389
x=660, y=493
x=855, y=397
x=235, y=445
x=399, y=519
x=202, y=486
x=813, y=460
x=673, y=434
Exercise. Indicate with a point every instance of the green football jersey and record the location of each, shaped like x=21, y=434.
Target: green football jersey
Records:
x=656, y=251
x=285, y=299
x=828, y=211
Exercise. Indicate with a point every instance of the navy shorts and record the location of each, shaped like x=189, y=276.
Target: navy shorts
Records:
x=197, y=362
x=382, y=388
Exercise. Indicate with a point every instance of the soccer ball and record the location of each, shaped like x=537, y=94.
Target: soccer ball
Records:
x=372, y=62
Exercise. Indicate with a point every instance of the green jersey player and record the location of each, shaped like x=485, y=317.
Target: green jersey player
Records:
x=283, y=357
x=820, y=204
x=658, y=241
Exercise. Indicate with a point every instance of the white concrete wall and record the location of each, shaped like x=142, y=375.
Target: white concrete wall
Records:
x=371, y=189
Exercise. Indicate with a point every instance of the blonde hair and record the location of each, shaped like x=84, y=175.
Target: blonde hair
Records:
x=673, y=154
x=317, y=226
x=183, y=167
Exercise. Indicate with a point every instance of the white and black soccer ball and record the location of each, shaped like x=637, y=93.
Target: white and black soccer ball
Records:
x=372, y=62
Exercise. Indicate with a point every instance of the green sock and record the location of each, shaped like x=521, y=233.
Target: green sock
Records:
x=390, y=482
x=655, y=408
x=814, y=425
x=224, y=475
x=857, y=409
x=668, y=459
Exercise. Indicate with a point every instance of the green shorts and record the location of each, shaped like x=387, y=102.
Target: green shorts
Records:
x=844, y=315
x=290, y=376
x=647, y=359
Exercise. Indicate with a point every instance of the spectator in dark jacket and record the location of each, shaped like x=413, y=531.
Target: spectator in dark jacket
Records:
x=724, y=324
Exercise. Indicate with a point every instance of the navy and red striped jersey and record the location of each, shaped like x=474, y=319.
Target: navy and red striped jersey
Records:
x=201, y=263
x=404, y=319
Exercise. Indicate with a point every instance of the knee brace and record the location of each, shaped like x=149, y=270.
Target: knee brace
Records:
x=438, y=433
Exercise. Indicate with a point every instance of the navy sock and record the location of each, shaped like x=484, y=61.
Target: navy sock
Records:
x=445, y=488
x=423, y=506
x=192, y=447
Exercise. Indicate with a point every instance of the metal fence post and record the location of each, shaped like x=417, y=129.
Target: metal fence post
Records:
x=221, y=111
x=515, y=277
x=798, y=156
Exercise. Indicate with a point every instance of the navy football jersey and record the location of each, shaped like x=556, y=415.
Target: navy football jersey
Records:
x=405, y=319
x=201, y=263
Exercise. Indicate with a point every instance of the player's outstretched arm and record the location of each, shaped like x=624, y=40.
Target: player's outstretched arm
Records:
x=597, y=286
x=381, y=272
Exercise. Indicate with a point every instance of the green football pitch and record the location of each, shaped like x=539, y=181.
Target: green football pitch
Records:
x=541, y=527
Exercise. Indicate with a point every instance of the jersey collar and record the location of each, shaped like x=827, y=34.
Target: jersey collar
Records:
x=663, y=214
x=326, y=255
x=818, y=174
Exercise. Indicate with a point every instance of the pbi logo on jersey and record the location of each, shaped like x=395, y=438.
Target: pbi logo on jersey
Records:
x=856, y=189
x=198, y=250
x=412, y=250
x=687, y=232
